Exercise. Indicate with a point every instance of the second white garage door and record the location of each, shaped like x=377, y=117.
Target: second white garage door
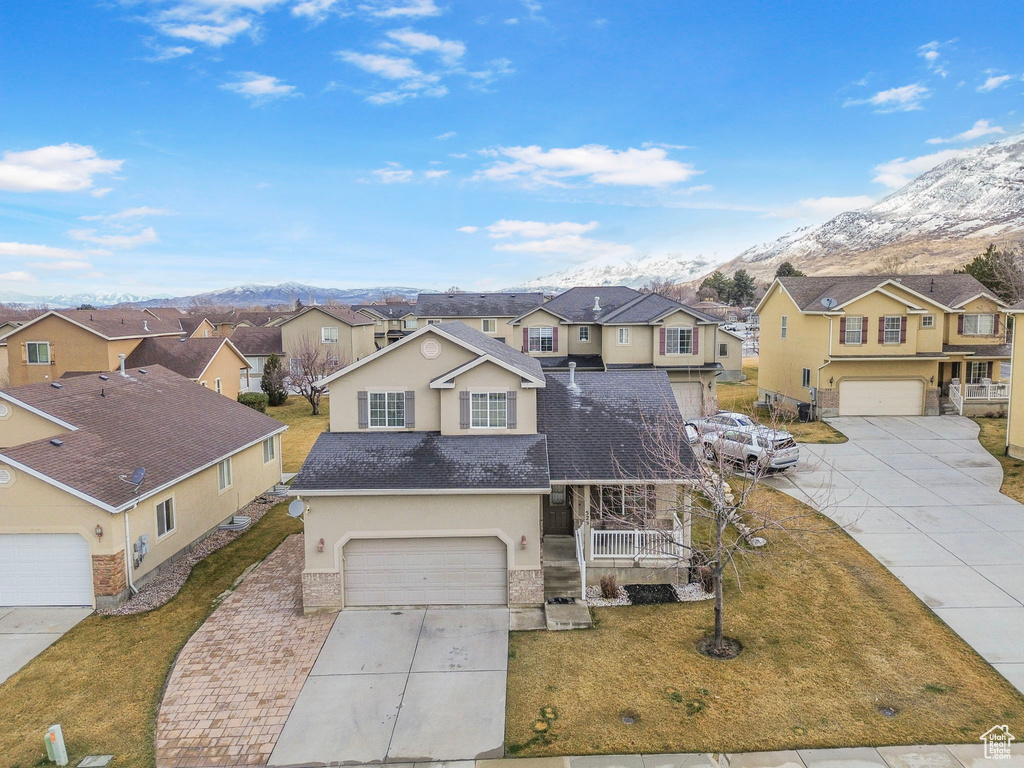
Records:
x=45, y=569
x=690, y=397
x=426, y=571
x=898, y=397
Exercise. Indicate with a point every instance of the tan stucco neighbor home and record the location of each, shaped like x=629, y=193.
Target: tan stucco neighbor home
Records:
x=392, y=321
x=213, y=362
x=346, y=336
x=489, y=313
x=609, y=328
x=874, y=346
x=454, y=462
x=74, y=528
x=1015, y=409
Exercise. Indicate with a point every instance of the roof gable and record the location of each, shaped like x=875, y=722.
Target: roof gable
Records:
x=346, y=316
x=188, y=356
x=945, y=291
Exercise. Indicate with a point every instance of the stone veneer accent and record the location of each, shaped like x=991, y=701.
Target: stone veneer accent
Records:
x=931, y=401
x=828, y=398
x=108, y=577
x=526, y=587
x=321, y=591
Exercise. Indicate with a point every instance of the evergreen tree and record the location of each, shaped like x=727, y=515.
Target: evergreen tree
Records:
x=273, y=383
x=716, y=286
x=743, y=288
x=993, y=269
x=786, y=269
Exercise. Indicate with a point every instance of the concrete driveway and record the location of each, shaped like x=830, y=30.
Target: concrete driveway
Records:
x=403, y=686
x=921, y=494
x=27, y=632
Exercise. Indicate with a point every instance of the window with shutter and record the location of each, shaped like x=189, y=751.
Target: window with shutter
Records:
x=511, y=400
x=892, y=329
x=464, y=410
x=678, y=341
x=387, y=409
x=852, y=330
x=540, y=339
x=488, y=410
x=363, y=409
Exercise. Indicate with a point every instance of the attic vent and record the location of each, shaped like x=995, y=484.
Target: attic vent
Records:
x=143, y=371
x=56, y=441
x=104, y=377
x=145, y=325
x=597, y=303
x=4, y=410
x=56, y=385
x=5, y=477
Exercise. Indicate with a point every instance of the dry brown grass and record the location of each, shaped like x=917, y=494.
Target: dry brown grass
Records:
x=303, y=429
x=829, y=634
x=993, y=437
x=102, y=681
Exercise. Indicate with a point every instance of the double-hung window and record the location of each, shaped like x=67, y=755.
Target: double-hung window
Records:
x=489, y=325
x=785, y=322
x=224, y=475
x=723, y=350
x=488, y=410
x=541, y=339
x=387, y=409
x=927, y=321
x=893, y=329
x=164, y=517
x=329, y=335
x=411, y=324
x=623, y=335
x=979, y=325
x=218, y=387
x=976, y=371
x=584, y=333
x=805, y=379
x=38, y=352
x=269, y=450
x=854, y=330
x=679, y=341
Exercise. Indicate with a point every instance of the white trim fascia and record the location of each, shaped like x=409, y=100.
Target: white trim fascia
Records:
x=444, y=378
x=37, y=412
x=627, y=481
x=911, y=291
x=987, y=295
x=217, y=352
x=57, y=484
x=423, y=492
x=563, y=318
x=771, y=292
x=53, y=312
x=842, y=359
x=880, y=289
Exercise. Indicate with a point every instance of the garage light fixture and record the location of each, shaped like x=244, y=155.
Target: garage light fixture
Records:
x=99, y=531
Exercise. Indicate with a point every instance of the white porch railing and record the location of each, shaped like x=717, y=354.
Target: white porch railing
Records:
x=985, y=391
x=636, y=544
x=581, y=558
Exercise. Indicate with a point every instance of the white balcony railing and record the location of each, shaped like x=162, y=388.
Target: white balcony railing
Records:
x=636, y=544
x=984, y=391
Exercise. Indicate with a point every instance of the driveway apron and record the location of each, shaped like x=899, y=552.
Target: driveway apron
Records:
x=921, y=494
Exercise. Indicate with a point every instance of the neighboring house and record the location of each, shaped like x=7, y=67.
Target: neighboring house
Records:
x=346, y=336
x=453, y=462
x=257, y=344
x=1015, y=407
x=74, y=529
x=198, y=327
x=609, y=328
x=213, y=362
x=489, y=313
x=391, y=321
x=872, y=345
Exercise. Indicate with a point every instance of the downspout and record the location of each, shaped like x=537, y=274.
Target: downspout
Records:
x=128, y=553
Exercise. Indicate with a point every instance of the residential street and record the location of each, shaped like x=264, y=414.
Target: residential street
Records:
x=922, y=495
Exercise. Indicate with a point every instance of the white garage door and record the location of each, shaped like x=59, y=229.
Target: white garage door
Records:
x=45, y=569
x=899, y=397
x=690, y=396
x=428, y=571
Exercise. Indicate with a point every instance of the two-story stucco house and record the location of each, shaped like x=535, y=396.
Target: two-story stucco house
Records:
x=871, y=345
x=454, y=462
x=610, y=328
x=391, y=321
x=344, y=335
x=489, y=313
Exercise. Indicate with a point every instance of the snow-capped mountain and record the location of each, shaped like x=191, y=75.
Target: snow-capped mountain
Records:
x=285, y=293
x=608, y=270
x=939, y=220
x=71, y=300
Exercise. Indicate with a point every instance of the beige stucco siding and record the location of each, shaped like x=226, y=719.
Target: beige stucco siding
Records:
x=577, y=347
x=874, y=307
x=782, y=359
x=226, y=365
x=638, y=350
x=488, y=377
x=541, y=319
x=1015, y=418
x=401, y=368
x=354, y=342
x=4, y=374
x=71, y=349
x=22, y=426
x=502, y=330
x=977, y=306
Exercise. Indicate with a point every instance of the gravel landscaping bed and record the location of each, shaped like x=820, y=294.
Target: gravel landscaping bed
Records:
x=685, y=593
x=160, y=589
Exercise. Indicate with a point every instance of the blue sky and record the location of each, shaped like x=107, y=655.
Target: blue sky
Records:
x=173, y=146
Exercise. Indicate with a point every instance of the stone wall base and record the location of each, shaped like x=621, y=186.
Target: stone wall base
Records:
x=108, y=576
x=526, y=587
x=985, y=409
x=633, y=575
x=321, y=592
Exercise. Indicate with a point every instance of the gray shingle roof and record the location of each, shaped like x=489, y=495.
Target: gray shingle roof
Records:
x=498, y=349
x=598, y=432
x=158, y=420
x=980, y=350
x=390, y=311
x=187, y=356
x=258, y=341
x=476, y=304
x=577, y=304
x=121, y=323
x=338, y=313
x=948, y=290
x=400, y=461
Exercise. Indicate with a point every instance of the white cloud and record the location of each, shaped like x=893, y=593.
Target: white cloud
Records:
x=65, y=265
x=313, y=9
x=979, y=129
x=144, y=237
x=993, y=82
x=896, y=173
x=906, y=98
x=538, y=229
x=930, y=53
x=533, y=9
x=435, y=174
x=446, y=135
x=571, y=246
x=450, y=51
x=822, y=207
x=168, y=52
x=403, y=8
x=591, y=163
x=411, y=80
x=129, y=213
x=16, y=277
x=213, y=34
x=663, y=145
x=259, y=88
x=61, y=168
x=31, y=250
x=468, y=230
x=393, y=173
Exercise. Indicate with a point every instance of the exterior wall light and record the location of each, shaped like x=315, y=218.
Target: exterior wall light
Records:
x=522, y=542
x=99, y=531
x=320, y=545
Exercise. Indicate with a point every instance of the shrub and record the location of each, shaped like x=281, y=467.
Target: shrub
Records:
x=273, y=381
x=706, y=578
x=609, y=587
x=255, y=400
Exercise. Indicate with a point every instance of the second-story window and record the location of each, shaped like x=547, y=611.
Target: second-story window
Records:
x=410, y=324
x=785, y=323
x=387, y=409
x=38, y=352
x=623, y=335
x=893, y=330
x=584, y=333
x=541, y=340
x=489, y=410
x=679, y=341
x=489, y=325
x=854, y=330
x=979, y=325
x=329, y=335
x=927, y=321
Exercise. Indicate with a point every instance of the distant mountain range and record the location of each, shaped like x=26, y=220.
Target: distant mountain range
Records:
x=612, y=271
x=73, y=300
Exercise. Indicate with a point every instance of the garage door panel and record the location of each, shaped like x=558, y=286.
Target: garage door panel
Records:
x=689, y=398
x=45, y=569
x=426, y=571
x=881, y=397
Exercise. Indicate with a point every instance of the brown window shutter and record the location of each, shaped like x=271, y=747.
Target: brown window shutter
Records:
x=903, y=330
x=554, y=339
x=511, y=409
x=24, y=353
x=995, y=325
x=363, y=405
x=842, y=330
x=863, y=330
x=960, y=324
x=464, y=410
x=881, y=330
x=696, y=339
x=526, y=339
x=989, y=375
x=410, y=408
x=661, y=336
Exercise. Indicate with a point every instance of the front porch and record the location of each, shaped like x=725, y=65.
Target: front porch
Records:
x=971, y=381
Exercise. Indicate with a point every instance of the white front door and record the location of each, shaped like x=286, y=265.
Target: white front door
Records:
x=426, y=571
x=45, y=569
x=881, y=397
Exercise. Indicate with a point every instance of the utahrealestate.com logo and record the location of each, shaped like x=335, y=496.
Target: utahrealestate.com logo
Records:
x=997, y=742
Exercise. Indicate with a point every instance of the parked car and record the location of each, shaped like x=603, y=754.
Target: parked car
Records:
x=722, y=421
x=692, y=435
x=760, y=448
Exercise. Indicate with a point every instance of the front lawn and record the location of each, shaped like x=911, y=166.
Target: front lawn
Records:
x=993, y=437
x=830, y=638
x=303, y=429
x=103, y=680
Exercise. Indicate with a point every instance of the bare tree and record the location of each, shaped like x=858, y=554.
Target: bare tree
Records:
x=670, y=290
x=311, y=362
x=890, y=264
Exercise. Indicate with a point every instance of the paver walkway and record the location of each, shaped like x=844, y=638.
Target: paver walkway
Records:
x=921, y=494
x=238, y=676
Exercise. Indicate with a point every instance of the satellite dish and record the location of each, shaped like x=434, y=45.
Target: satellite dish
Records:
x=138, y=476
x=828, y=303
x=296, y=508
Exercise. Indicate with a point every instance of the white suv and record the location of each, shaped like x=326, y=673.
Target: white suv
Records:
x=724, y=420
x=757, y=449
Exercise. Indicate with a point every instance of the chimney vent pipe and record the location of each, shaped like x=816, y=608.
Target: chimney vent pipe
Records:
x=597, y=303
x=572, y=374
x=121, y=357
